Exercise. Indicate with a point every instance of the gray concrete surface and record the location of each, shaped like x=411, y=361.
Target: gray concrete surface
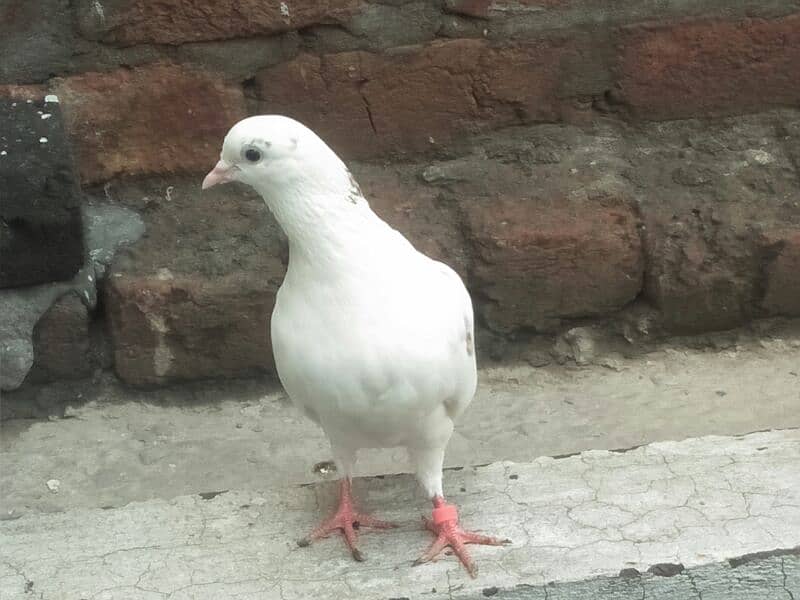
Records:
x=106, y=228
x=696, y=502
x=119, y=445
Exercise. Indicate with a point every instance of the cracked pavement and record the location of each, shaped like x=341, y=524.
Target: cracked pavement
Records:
x=697, y=503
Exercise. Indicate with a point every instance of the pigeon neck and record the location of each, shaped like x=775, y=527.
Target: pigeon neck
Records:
x=326, y=221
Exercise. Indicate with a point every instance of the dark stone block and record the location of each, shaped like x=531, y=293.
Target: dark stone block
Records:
x=36, y=39
x=61, y=342
x=41, y=231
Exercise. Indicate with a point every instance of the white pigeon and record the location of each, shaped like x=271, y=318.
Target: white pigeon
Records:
x=373, y=340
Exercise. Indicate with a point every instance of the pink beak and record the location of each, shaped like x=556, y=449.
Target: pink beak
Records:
x=221, y=173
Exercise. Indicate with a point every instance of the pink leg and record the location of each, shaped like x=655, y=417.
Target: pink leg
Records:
x=448, y=533
x=346, y=519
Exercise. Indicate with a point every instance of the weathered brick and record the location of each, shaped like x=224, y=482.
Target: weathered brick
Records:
x=129, y=22
x=483, y=9
x=546, y=259
x=192, y=298
x=22, y=92
x=701, y=68
x=700, y=274
x=417, y=211
x=323, y=93
x=782, y=273
x=154, y=119
x=706, y=191
x=418, y=98
x=167, y=328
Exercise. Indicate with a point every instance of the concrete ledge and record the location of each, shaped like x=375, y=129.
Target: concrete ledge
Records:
x=765, y=577
x=692, y=503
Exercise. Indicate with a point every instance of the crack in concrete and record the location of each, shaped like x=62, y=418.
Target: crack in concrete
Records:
x=693, y=583
x=29, y=583
x=783, y=583
x=105, y=556
x=221, y=581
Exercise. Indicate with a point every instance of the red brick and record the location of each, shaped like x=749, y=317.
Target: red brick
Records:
x=155, y=119
x=129, y=22
x=415, y=210
x=166, y=328
x=23, y=92
x=782, y=275
x=323, y=93
x=699, y=68
x=539, y=261
x=701, y=269
x=192, y=298
x=413, y=98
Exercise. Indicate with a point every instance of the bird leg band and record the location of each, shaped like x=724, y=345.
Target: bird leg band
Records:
x=444, y=513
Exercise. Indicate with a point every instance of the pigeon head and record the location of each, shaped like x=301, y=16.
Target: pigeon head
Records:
x=306, y=186
x=272, y=152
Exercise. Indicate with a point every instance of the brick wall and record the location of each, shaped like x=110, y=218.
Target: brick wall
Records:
x=571, y=158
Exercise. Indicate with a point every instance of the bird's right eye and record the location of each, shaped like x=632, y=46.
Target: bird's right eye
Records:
x=252, y=155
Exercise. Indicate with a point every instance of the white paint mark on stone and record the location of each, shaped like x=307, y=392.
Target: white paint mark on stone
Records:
x=760, y=156
x=162, y=357
x=51, y=98
x=53, y=485
x=3, y=153
x=43, y=140
x=46, y=116
x=98, y=9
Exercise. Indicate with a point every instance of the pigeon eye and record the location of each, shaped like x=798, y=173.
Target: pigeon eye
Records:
x=252, y=155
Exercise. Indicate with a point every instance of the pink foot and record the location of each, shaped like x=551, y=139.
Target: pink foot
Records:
x=448, y=533
x=346, y=519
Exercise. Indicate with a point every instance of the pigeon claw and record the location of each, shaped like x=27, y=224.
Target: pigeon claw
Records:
x=346, y=520
x=449, y=534
x=357, y=555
